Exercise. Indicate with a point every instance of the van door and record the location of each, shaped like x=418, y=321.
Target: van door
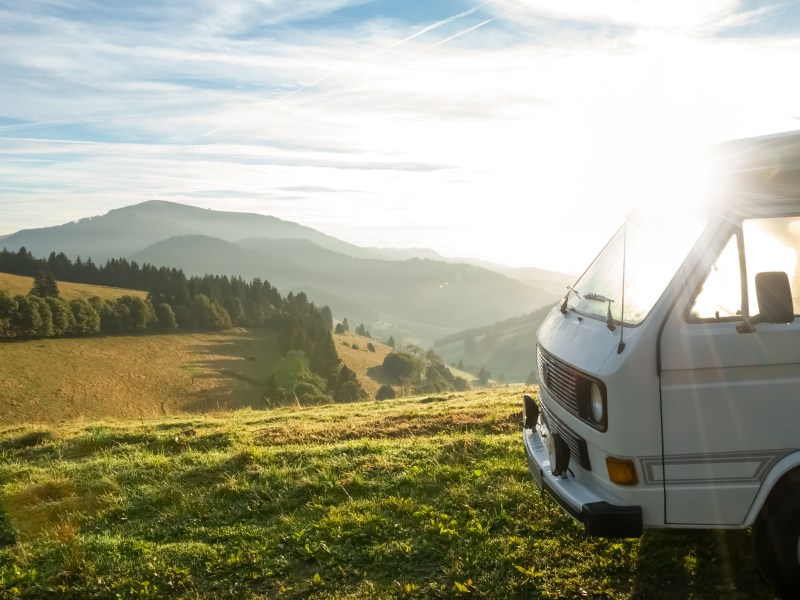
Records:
x=730, y=392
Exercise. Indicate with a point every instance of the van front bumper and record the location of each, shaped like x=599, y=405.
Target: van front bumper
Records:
x=599, y=517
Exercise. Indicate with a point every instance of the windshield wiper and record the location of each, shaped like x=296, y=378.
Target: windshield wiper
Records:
x=601, y=298
x=597, y=297
x=570, y=290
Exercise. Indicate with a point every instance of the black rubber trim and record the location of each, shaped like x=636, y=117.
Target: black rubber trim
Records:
x=602, y=519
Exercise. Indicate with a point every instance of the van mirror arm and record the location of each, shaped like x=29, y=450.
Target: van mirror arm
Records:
x=747, y=325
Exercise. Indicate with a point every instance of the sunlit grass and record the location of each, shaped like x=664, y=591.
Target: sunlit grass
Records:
x=19, y=284
x=424, y=497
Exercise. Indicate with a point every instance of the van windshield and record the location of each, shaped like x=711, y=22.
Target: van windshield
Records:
x=656, y=245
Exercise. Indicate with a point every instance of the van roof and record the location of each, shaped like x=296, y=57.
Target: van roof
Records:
x=763, y=170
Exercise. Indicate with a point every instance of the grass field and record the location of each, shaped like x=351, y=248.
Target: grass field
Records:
x=132, y=376
x=424, y=497
x=17, y=285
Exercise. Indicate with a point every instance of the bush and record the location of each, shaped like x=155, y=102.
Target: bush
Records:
x=402, y=366
x=166, y=317
x=371, y=347
x=385, y=392
x=87, y=321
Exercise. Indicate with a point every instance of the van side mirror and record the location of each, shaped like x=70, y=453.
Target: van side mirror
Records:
x=774, y=297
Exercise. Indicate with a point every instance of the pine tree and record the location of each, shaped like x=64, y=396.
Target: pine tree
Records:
x=44, y=285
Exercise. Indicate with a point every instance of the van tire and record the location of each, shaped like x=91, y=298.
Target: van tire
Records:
x=776, y=542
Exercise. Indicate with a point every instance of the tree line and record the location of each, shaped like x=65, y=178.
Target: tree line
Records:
x=176, y=302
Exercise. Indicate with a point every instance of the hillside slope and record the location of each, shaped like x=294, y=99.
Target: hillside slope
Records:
x=425, y=497
x=506, y=348
x=129, y=376
x=18, y=284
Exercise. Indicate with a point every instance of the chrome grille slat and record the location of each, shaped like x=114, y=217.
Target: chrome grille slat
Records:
x=561, y=380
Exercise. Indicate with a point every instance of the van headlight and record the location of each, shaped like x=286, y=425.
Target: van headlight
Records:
x=597, y=404
x=592, y=402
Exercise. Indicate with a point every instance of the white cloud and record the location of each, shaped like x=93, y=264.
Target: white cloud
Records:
x=521, y=135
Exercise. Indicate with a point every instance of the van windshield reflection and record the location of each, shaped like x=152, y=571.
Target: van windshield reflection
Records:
x=653, y=247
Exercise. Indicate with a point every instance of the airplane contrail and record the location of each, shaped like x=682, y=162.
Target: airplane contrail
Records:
x=481, y=24
x=416, y=34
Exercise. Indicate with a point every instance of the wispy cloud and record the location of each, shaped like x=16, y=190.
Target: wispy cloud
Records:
x=427, y=120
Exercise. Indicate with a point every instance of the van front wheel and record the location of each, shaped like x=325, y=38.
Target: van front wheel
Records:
x=776, y=541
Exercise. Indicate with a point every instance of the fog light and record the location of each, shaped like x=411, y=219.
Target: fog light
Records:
x=621, y=472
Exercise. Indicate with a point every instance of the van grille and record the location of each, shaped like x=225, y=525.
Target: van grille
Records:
x=559, y=379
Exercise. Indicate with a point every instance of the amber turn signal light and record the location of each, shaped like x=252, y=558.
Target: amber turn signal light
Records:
x=621, y=471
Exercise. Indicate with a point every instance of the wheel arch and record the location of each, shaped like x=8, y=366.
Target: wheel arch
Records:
x=783, y=475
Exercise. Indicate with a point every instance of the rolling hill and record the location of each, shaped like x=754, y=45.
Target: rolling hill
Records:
x=506, y=348
x=429, y=297
x=414, y=299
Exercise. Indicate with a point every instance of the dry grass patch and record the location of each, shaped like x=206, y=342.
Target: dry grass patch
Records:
x=19, y=285
x=360, y=359
x=417, y=416
x=131, y=376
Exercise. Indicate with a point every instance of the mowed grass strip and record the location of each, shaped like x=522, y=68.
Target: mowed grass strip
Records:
x=131, y=376
x=262, y=504
x=20, y=285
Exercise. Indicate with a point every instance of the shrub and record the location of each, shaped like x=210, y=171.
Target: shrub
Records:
x=401, y=365
x=385, y=392
x=166, y=317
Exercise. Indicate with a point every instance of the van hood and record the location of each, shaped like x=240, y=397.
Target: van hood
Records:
x=582, y=342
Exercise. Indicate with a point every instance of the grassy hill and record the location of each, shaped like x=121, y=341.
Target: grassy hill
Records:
x=366, y=364
x=424, y=497
x=131, y=376
x=506, y=348
x=17, y=284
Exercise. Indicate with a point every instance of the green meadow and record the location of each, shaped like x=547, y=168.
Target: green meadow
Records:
x=420, y=497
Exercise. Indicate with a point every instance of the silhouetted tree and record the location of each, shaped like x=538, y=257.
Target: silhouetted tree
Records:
x=166, y=317
x=44, y=285
x=8, y=307
x=63, y=319
x=327, y=317
x=402, y=365
x=347, y=387
x=390, y=343
x=385, y=392
x=87, y=321
x=460, y=384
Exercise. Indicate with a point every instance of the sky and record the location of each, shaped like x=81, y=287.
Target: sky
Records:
x=518, y=132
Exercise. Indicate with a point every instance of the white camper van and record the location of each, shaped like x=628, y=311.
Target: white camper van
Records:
x=670, y=374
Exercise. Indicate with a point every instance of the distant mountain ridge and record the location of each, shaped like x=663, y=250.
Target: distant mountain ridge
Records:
x=125, y=231
x=392, y=291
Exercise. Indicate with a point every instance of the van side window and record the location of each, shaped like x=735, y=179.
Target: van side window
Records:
x=772, y=245
x=720, y=297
